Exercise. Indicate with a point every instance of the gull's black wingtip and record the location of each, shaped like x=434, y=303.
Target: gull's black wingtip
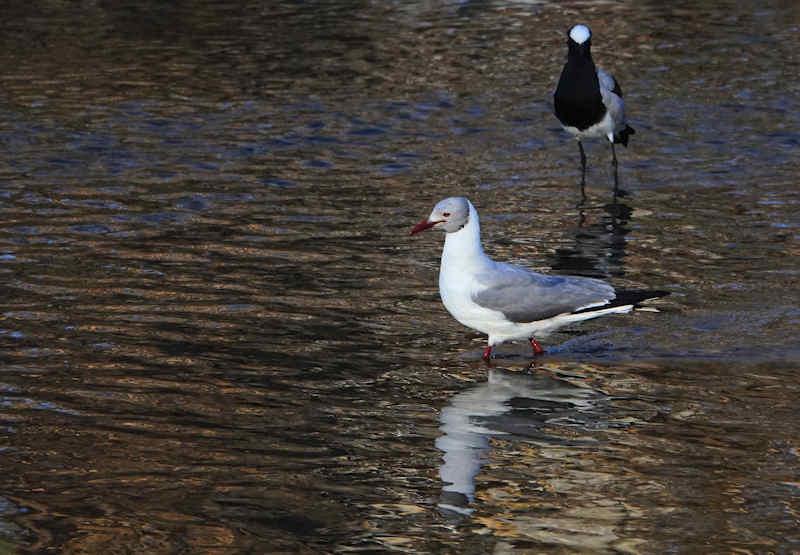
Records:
x=627, y=297
x=637, y=296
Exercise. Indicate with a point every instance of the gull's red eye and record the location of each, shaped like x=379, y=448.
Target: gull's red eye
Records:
x=446, y=214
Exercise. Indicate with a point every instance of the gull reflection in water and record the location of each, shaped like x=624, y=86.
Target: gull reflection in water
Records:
x=487, y=410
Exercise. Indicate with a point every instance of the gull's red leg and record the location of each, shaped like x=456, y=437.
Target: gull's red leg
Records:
x=537, y=349
x=487, y=354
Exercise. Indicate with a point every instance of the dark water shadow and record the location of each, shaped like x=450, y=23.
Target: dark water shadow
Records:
x=599, y=242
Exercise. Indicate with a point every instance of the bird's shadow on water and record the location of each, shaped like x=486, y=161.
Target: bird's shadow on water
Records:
x=517, y=405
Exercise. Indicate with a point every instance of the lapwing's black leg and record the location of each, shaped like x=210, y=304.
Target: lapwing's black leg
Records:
x=613, y=155
x=583, y=171
x=616, y=174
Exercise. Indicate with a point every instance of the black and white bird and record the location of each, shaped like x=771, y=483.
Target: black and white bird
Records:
x=509, y=302
x=588, y=101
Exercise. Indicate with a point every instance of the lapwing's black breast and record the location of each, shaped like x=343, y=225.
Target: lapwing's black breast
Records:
x=577, y=100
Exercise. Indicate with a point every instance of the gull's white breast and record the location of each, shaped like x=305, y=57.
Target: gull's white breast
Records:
x=456, y=289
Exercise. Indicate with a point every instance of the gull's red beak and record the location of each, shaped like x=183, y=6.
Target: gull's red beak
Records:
x=422, y=226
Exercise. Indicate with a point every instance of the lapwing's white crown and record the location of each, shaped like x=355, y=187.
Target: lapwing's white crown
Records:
x=580, y=33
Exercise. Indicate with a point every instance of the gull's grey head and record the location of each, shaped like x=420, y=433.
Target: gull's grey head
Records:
x=449, y=215
x=580, y=34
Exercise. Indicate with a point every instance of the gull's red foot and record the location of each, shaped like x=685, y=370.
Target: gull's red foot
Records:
x=487, y=354
x=537, y=349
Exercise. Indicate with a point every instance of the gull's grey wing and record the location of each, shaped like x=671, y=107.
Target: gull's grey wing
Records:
x=525, y=296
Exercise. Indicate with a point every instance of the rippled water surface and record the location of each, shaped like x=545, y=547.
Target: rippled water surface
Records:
x=216, y=335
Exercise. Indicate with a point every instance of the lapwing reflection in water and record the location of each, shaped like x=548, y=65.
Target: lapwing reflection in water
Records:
x=598, y=247
x=510, y=404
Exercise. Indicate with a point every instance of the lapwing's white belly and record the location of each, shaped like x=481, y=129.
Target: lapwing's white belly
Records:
x=604, y=128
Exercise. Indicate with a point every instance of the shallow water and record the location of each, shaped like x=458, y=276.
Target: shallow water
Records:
x=217, y=335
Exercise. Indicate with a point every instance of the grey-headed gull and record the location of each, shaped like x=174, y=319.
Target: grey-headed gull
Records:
x=509, y=302
x=588, y=101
